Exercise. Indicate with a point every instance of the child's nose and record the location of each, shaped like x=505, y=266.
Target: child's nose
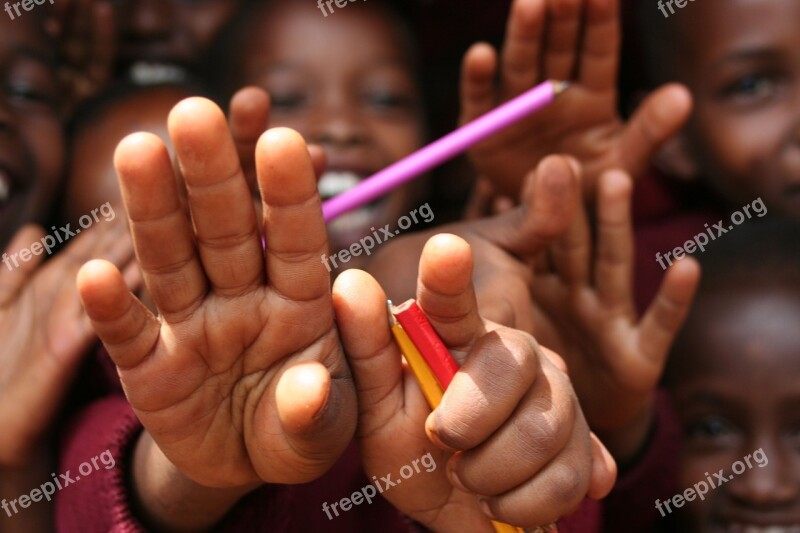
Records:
x=338, y=126
x=150, y=17
x=772, y=485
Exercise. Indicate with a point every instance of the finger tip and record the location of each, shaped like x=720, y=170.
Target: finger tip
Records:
x=135, y=146
x=616, y=182
x=250, y=97
x=100, y=287
x=302, y=395
x=358, y=298
x=195, y=114
x=282, y=136
x=446, y=261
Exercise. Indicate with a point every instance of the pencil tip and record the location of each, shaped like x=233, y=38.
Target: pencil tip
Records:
x=559, y=87
x=390, y=310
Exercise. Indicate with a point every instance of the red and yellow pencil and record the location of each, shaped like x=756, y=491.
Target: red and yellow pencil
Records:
x=430, y=361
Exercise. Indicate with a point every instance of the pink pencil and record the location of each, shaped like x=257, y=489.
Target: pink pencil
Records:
x=445, y=148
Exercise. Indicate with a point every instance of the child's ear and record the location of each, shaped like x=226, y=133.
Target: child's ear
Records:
x=675, y=159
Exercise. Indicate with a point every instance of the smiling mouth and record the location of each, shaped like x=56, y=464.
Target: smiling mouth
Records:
x=350, y=225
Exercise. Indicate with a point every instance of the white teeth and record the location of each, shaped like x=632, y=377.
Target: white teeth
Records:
x=5, y=188
x=333, y=183
x=356, y=220
x=146, y=73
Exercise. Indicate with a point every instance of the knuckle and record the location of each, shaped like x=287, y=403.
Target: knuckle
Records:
x=455, y=431
x=568, y=484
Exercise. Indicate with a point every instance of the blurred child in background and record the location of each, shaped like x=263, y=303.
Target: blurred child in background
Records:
x=167, y=40
x=734, y=377
x=43, y=332
x=363, y=104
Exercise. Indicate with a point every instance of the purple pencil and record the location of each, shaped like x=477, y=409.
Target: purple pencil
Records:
x=445, y=148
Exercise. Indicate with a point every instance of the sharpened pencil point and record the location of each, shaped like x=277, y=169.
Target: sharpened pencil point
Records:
x=559, y=87
x=390, y=312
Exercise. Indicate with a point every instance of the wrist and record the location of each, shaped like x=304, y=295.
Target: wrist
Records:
x=167, y=500
x=626, y=442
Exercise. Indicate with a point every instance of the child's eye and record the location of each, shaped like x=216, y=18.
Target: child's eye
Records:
x=26, y=93
x=386, y=101
x=710, y=429
x=751, y=88
x=287, y=101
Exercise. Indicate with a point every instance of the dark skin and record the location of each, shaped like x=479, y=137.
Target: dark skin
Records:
x=31, y=138
x=741, y=60
x=738, y=391
x=42, y=328
x=360, y=103
x=92, y=178
x=170, y=31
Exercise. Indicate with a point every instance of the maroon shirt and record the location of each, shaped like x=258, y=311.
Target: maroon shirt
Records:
x=100, y=502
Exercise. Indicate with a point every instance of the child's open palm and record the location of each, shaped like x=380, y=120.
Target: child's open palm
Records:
x=584, y=309
x=43, y=331
x=577, y=41
x=241, y=378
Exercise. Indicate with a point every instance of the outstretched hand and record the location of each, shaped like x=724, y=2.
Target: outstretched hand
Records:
x=585, y=310
x=241, y=378
x=577, y=41
x=43, y=330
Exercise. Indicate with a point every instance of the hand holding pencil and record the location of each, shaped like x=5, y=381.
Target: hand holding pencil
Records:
x=507, y=396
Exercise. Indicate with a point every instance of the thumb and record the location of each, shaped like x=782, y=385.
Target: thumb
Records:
x=374, y=359
x=302, y=394
x=604, y=470
x=661, y=115
x=317, y=416
x=446, y=295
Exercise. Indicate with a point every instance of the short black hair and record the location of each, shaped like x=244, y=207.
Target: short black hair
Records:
x=758, y=255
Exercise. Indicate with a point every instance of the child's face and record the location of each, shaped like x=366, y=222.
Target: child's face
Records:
x=344, y=82
x=170, y=31
x=92, y=179
x=31, y=136
x=737, y=394
x=741, y=59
